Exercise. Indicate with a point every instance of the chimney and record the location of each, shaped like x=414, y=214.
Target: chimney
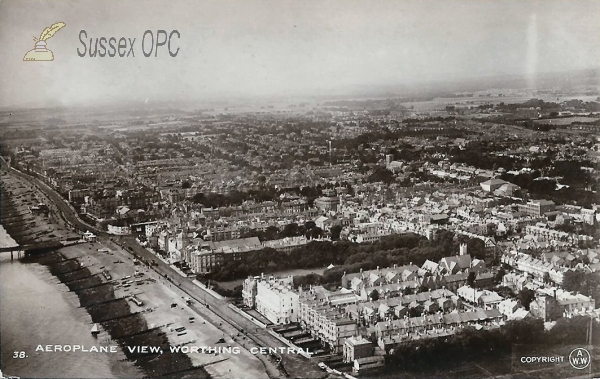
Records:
x=555, y=294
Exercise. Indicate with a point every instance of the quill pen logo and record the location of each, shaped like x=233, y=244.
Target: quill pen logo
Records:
x=40, y=51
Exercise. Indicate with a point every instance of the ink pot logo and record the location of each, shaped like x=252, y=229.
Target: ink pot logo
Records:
x=41, y=52
x=580, y=358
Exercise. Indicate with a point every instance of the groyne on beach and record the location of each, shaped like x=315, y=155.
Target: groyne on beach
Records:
x=96, y=294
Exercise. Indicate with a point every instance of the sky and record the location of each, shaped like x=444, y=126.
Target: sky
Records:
x=254, y=48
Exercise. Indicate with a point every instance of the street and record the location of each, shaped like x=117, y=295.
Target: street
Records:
x=217, y=311
x=224, y=317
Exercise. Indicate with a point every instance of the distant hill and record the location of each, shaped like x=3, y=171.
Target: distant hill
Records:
x=562, y=81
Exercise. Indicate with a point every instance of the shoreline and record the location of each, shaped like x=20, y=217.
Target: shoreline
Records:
x=136, y=311
x=115, y=360
x=94, y=292
x=116, y=318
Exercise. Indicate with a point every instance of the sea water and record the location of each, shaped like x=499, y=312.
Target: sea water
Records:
x=36, y=309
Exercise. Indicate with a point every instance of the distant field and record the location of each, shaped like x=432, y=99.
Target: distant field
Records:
x=440, y=103
x=19, y=142
x=566, y=120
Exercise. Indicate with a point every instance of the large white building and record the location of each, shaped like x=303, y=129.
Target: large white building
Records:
x=276, y=300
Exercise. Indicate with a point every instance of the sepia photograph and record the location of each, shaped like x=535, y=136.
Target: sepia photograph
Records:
x=319, y=189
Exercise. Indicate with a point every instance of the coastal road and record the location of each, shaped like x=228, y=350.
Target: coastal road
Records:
x=295, y=365
x=61, y=203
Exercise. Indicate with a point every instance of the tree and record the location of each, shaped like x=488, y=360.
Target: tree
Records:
x=476, y=248
x=309, y=279
x=573, y=280
x=471, y=278
x=198, y=198
x=381, y=175
x=271, y=233
x=499, y=275
x=309, y=225
x=444, y=239
x=529, y=331
x=290, y=230
x=335, y=232
x=374, y=295
x=586, y=283
x=574, y=331
x=526, y=296
x=316, y=232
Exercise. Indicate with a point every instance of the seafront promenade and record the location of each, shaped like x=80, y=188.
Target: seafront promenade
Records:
x=215, y=312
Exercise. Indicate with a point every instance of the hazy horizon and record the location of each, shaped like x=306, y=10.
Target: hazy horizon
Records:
x=283, y=48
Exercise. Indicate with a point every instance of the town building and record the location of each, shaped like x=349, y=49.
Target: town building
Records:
x=551, y=304
x=537, y=208
x=205, y=256
x=368, y=364
x=327, y=203
x=276, y=300
x=249, y=290
x=356, y=348
x=325, y=320
x=492, y=184
x=409, y=327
